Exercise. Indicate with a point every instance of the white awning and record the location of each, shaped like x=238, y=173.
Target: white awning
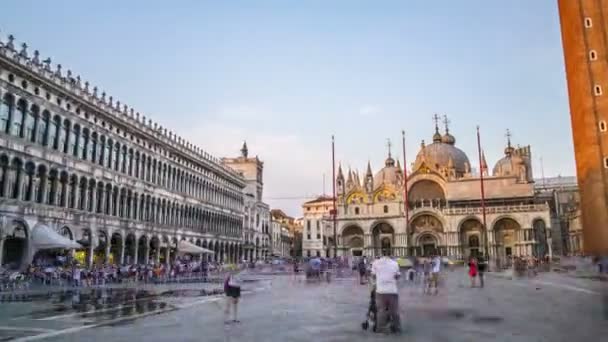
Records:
x=44, y=237
x=190, y=248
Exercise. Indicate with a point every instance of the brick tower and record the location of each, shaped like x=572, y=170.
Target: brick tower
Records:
x=584, y=25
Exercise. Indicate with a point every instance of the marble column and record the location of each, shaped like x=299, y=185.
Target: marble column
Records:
x=167, y=255
x=157, y=256
x=122, y=252
x=136, y=251
x=91, y=252
x=106, y=258
x=147, y=252
x=1, y=249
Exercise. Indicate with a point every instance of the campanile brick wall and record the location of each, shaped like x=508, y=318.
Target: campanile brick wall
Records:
x=584, y=25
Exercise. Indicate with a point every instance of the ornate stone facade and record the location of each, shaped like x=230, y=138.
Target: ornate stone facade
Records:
x=444, y=201
x=78, y=161
x=256, y=232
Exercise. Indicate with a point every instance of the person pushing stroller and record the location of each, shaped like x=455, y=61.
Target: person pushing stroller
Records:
x=384, y=303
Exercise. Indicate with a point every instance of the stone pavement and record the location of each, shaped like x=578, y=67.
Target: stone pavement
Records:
x=285, y=308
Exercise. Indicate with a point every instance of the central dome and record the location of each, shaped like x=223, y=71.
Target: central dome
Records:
x=389, y=174
x=440, y=155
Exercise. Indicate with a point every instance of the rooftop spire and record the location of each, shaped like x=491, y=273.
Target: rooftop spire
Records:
x=244, y=150
x=509, y=149
x=436, y=136
x=369, y=170
x=388, y=144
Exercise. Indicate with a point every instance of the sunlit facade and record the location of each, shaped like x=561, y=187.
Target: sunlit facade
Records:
x=444, y=205
x=78, y=161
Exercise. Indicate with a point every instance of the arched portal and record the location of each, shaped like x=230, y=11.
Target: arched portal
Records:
x=471, y=235
x=352, y=240
x=142, y=250
x=426, y=191
x=15, y=246
x=428, y=244
x=383, y=238
x=100, y=256
x=130, y=249
x=505, y=232
x=116, y=242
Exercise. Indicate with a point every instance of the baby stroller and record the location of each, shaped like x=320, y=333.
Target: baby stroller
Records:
x=371, y=319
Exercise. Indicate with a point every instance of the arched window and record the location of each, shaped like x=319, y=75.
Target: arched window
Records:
x=123, y=167
x=92, y=147
x=115, y=156
x=83, y=145
x=107, y=154
x=356, y=210
x=130, y=163
x=54, y=133
x=386, y=209
x=7, y=106
x=74, y=140
x=30, y=123
x=64, y=137
x=41, y=130
x=103, y=152
x=136, y=164
x=19, y=116
x=154, y=171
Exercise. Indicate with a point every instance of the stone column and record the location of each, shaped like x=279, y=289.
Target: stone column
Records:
x=167, y=255
x=157, y=256
x=1, y=248
x=91, y=251
x=147, y=252
x=106, y=257
x=122, y=251
x=136, y=251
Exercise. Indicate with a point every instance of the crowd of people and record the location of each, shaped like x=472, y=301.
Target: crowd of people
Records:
x=63, y=272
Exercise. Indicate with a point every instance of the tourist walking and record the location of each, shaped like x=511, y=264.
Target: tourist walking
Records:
x=472, y=270
x=482, y=265
x=386, y=273
x=232, y=289
x=362, y=267
x=435, y=272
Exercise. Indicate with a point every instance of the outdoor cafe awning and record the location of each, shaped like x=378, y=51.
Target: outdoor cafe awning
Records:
x=190, y=248
x=44, y=237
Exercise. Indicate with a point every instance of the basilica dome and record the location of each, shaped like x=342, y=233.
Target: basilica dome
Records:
x=510, y=164
x=440, y=155
x=389, y=174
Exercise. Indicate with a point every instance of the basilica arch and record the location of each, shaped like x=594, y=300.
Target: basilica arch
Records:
x=472, y=238
x=427, y=230
x=383, y=238
x=352, y=239
x=506, y=231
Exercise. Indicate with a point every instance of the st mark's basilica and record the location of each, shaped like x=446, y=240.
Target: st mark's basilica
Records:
x=445, y=207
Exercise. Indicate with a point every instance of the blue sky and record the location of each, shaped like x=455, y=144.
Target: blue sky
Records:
x=285, y=75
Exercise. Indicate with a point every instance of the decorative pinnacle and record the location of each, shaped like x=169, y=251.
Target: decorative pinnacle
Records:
x=36, y=59
x=388, y=144
x=436, y=119
x=446, y=123
x=10, y=45
x=23, y=52
x=508, y=135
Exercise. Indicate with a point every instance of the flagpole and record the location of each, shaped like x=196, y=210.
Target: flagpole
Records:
x=405, y=197
x=483, y=195
x=333, y=182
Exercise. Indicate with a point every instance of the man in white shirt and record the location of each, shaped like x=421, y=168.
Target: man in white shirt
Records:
x=386, y=272
x=435, y=270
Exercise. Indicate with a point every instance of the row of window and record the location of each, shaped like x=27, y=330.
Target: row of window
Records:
x=26, y=182
x=66, y=105
x=28, y=122
x=384, y=209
